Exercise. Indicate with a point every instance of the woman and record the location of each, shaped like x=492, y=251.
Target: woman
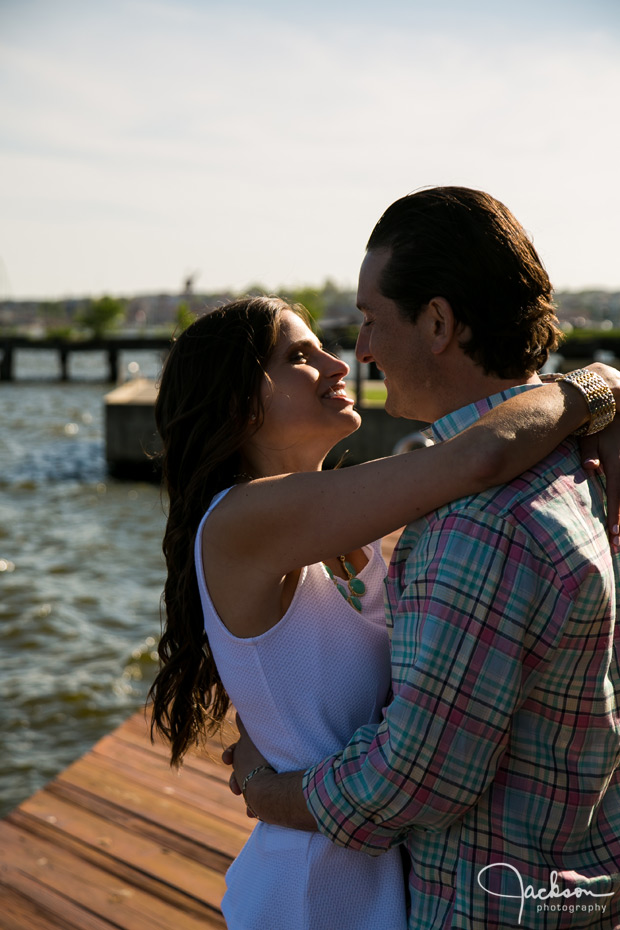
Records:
x=274, y=588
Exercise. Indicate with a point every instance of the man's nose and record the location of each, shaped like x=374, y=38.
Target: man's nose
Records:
x=362, y=346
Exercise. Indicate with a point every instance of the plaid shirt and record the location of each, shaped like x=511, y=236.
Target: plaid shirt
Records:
x=501, y=746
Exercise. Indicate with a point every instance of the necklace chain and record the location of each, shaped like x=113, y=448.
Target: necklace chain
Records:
x=356, y=587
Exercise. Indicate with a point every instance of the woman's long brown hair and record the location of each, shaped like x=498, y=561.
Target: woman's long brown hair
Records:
x=209, y=390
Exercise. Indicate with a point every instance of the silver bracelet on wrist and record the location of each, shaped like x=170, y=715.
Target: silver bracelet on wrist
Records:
x=249, y=776
x=599, y=399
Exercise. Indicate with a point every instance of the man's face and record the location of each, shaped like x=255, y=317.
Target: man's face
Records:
x=399, y=348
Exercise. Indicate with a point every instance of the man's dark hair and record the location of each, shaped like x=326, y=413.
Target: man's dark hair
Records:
x=467, y=247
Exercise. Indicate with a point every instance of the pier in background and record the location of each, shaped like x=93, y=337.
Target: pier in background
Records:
x=112, y=346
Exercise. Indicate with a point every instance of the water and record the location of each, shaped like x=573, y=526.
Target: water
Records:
x=81, y=573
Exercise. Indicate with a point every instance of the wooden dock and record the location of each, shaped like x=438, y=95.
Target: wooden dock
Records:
x=119, y=841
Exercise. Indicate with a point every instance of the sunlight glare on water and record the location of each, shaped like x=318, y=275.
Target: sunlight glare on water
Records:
x=81, y=573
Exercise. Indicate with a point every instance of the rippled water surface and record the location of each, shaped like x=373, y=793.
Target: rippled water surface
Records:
x=81, y=573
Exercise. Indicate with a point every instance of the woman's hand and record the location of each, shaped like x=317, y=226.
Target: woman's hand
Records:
x=601, y=453
x=244, y=758
x=610, y=375
x=228, y=756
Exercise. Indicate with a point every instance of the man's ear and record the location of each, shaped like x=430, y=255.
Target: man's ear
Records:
x=443, y=324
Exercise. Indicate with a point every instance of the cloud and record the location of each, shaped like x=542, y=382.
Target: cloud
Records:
x=262, y=145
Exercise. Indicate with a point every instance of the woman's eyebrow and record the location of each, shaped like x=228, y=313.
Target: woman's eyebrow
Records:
x=305, y=344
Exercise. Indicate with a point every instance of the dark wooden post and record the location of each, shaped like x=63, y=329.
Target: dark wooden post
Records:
x=113, y=364
x=6, y=362
x=64, y=364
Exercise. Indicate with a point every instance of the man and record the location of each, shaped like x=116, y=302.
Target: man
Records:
x=498, y=759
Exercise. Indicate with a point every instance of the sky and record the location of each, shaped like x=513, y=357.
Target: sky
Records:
x=146, y=141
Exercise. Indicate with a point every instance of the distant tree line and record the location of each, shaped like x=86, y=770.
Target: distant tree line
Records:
x=332, y=308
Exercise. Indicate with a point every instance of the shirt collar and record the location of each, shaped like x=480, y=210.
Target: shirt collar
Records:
x=455, y=422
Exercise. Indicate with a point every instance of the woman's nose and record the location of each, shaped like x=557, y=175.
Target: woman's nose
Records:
x=337, y=365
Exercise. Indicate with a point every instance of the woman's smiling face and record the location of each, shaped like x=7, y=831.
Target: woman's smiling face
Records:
x=303, y=393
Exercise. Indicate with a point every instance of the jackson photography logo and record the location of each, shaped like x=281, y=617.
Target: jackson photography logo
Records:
x=544, y=895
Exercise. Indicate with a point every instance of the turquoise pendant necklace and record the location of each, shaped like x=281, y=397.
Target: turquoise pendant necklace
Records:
x=356, y=586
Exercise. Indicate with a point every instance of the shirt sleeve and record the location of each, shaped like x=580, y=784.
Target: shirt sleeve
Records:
x=479, y=609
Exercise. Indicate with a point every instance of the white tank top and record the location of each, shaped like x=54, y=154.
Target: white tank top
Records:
x=302, y=688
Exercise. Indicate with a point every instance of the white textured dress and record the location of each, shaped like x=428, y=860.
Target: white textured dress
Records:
x=302, y=689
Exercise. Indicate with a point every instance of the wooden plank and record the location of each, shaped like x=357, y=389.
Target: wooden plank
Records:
x=135, y=753
x=98, y=891
x=193, y=786
x=203, y=797
x=100, y=778
x=28, y=906
x=91, y=837
x=135, y=730
x=137, y=825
